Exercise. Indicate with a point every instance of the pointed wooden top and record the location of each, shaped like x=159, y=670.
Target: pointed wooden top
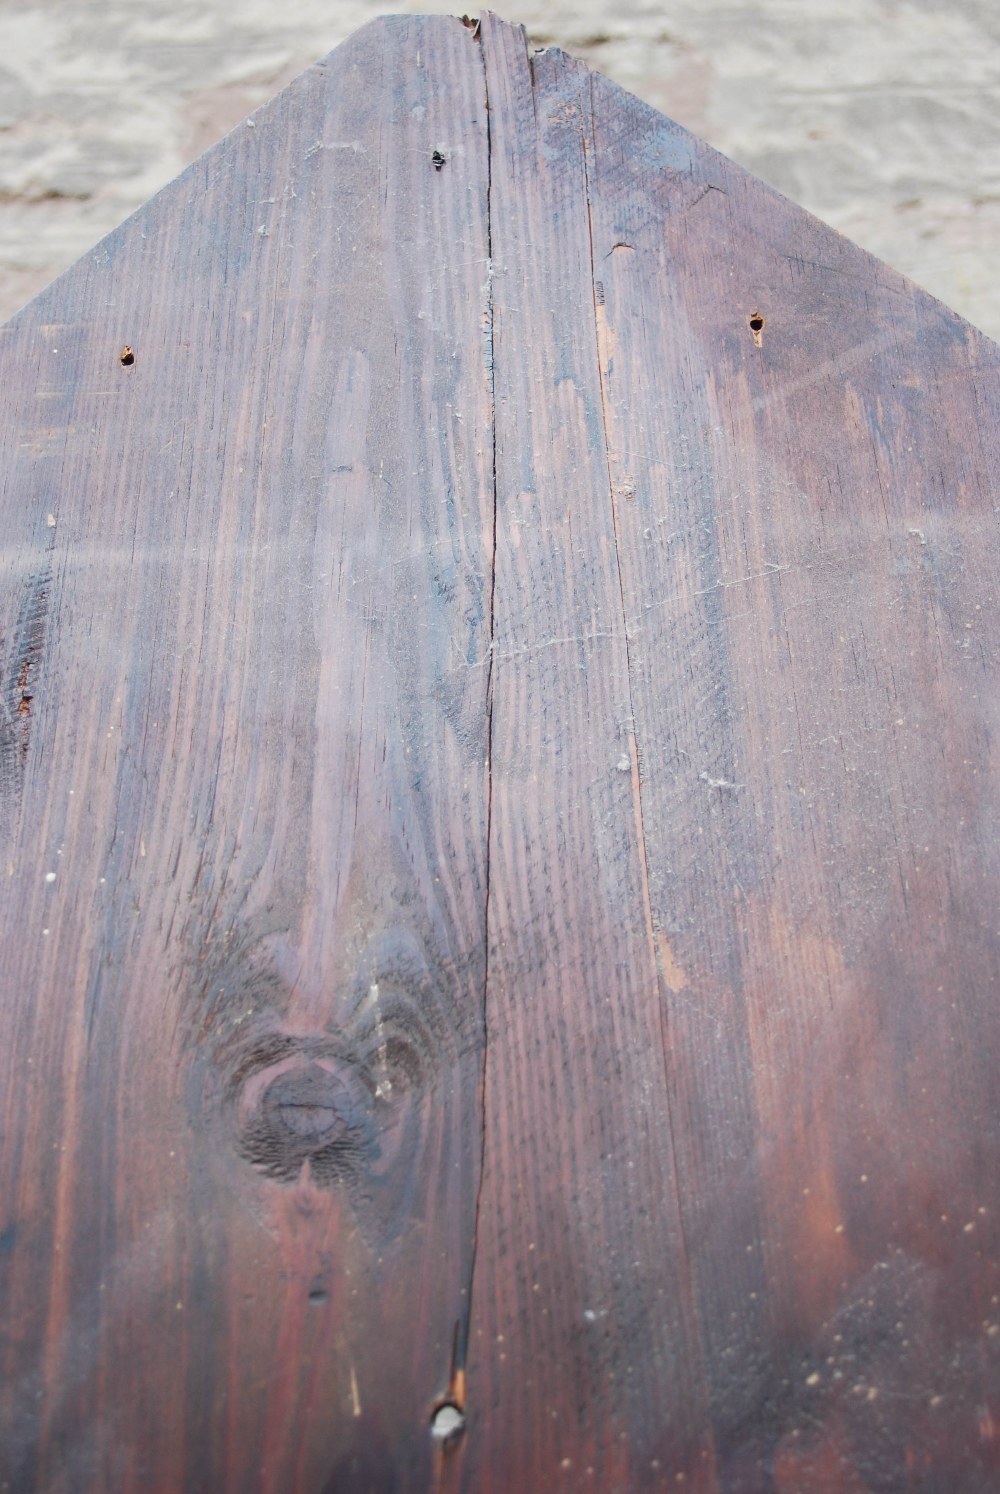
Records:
x=499, y=788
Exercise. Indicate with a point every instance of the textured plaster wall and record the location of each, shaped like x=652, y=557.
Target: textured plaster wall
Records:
x=880, y=116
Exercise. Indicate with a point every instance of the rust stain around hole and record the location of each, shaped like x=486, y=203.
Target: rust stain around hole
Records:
x=447, y=1421
x=126, y=357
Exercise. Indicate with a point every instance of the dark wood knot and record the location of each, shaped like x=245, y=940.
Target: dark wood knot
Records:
x=306, y=1112
x=305, y=1108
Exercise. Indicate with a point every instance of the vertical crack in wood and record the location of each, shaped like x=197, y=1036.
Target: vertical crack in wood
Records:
x=587, y=142
x=459, y=1382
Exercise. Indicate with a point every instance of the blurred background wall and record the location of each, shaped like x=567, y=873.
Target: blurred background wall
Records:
x=880, y=116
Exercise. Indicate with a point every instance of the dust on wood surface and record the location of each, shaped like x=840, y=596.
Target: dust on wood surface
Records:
x=498, y=637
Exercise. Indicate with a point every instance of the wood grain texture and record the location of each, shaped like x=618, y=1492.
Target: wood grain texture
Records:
x=243, y=579
x=498, y=717
x=768, y=556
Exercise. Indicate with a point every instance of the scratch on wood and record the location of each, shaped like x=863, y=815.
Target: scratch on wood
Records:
x=533, y=648
x=834, y=366
x=708, y=187
x=383, y=1087
x=770, y=570
x=673, y=974
x=719, y=783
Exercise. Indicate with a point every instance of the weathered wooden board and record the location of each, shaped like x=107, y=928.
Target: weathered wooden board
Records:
x=242, y=578
x=499, y=787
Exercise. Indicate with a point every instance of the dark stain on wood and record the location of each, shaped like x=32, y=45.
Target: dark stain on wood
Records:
x=499, y=956
x=22, y=653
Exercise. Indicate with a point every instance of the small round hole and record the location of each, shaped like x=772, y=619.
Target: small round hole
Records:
x=756, y=322
x=448, y=1422
x=438, y=160
x=318, y=1296
x=126, y=357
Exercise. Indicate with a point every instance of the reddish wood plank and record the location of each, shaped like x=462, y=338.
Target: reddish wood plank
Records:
x=787, y=458
x=244, y=902
x=814, y=509
x=497, y=711
x=584, y=1342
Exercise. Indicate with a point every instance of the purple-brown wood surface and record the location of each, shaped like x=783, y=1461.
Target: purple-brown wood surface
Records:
x=500, y=891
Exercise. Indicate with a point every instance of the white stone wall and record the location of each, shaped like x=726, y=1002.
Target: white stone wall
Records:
x=881, y=116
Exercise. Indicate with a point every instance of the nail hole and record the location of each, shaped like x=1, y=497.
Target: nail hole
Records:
x=318, y=1296
x=448, y=1422
x=757, y=327
x=438, y=160
x=126, y=357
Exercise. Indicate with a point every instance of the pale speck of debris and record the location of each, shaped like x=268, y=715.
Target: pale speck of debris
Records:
x=448, y=1421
